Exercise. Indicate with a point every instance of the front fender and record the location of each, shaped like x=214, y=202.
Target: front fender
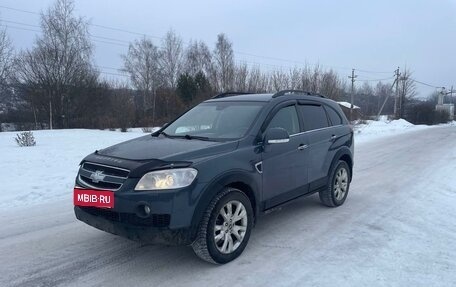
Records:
x=217, y=185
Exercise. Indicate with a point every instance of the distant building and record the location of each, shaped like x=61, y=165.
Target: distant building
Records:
x=346, y=109
x=449, y=108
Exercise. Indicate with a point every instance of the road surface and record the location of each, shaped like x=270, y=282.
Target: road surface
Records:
x=397, y=228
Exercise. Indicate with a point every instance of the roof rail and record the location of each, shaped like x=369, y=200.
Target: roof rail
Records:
x=228, y=94
x=284, y=92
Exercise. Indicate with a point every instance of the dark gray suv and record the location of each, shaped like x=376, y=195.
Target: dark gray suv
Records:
x=203, y=179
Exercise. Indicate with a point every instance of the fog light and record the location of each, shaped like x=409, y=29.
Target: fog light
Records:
x=143, y=210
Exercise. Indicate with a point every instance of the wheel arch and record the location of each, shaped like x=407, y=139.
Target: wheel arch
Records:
x=343, y=154
x=239, y=179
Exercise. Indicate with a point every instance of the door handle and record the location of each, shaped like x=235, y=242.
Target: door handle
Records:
x=302, y=147
x=333, y=137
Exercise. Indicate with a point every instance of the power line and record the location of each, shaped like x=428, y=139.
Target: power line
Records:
x=96, y=38
x=235, y=51
x=19, y=23
x=125, y=31
x=90, y=34
x=110, y=43
x=375, y=80
x=19, y=10
x=113, y=74
x=125, y=43
x=19, y=28
x=262, y=65
x=422, y=83
x=373, y=72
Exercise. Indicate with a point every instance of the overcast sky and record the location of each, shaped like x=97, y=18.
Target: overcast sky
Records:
x=374, y=36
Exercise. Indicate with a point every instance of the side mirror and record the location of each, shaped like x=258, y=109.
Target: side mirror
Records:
x=276, y=136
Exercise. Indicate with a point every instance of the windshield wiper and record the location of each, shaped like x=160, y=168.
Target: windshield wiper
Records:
x=156, y=134
x=190, y=137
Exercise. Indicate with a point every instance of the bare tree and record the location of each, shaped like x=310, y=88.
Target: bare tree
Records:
x=60, y=59
x=142, y=64
x=6, y=56
x=6, y=61
x=294, y=78
x=171, y=58
x=310, y=79
x=223, y=63
x=407, y=90
x=198, y=58
x=241, y=78
x=330, y=85
x=280, y=80
x=171, y=62
x=122, y=107
x=254, y=79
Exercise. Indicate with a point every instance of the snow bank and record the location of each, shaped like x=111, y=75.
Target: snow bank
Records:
x=30, y=175
x=372, y=130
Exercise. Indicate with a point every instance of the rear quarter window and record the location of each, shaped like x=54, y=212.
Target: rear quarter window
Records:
x=334, y=116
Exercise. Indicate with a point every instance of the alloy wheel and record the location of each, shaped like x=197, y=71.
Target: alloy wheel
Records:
x=230, y=227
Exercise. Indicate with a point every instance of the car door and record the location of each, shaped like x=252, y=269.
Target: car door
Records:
x=284, y=168
x=320, y=138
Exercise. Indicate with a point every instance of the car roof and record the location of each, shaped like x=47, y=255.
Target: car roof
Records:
x=243, y=98
x=265, y=97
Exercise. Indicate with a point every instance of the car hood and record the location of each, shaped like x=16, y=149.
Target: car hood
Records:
x=166, y=149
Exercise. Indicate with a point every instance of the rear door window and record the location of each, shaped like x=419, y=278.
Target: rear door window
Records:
x=314, y=117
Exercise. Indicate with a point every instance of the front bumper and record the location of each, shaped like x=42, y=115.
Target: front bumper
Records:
x=118, y=224
x=169, y=221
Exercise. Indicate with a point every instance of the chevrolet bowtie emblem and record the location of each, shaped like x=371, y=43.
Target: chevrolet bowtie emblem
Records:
x=97, y=176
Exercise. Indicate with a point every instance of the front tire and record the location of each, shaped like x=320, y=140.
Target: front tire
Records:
x=225, y=228
x=338, y=185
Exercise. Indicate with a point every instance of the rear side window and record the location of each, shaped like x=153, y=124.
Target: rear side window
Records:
x=286, y=118
x=334, y=116
x=314, y=117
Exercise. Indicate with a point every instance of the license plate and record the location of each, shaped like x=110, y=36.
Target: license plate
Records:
x=94, y=198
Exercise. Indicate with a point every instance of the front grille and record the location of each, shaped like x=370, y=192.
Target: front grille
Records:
x=101, y=176
x=154, y=220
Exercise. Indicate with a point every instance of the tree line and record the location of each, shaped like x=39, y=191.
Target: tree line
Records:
x=55, y=83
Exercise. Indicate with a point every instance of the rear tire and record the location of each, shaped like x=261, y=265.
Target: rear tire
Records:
x=225, y=228
x=338, y=185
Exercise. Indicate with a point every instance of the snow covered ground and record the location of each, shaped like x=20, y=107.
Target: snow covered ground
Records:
x=46, y=171
x=395, y=229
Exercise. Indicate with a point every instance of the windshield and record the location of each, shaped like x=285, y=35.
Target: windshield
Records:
x=215, y=121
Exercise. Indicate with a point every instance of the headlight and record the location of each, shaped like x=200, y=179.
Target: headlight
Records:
x=167, y=179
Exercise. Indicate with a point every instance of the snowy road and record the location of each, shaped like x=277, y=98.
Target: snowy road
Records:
x=397, y=228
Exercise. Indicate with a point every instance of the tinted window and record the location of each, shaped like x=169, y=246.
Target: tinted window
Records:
x=314, y=117
x=333, y=116
x=286, y=118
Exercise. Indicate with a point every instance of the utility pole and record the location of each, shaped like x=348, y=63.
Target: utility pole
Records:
x=396, y=73
x=50, y=114
x=451, y=94
x=352, y=77
x=396, y=98
x=402, y=95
